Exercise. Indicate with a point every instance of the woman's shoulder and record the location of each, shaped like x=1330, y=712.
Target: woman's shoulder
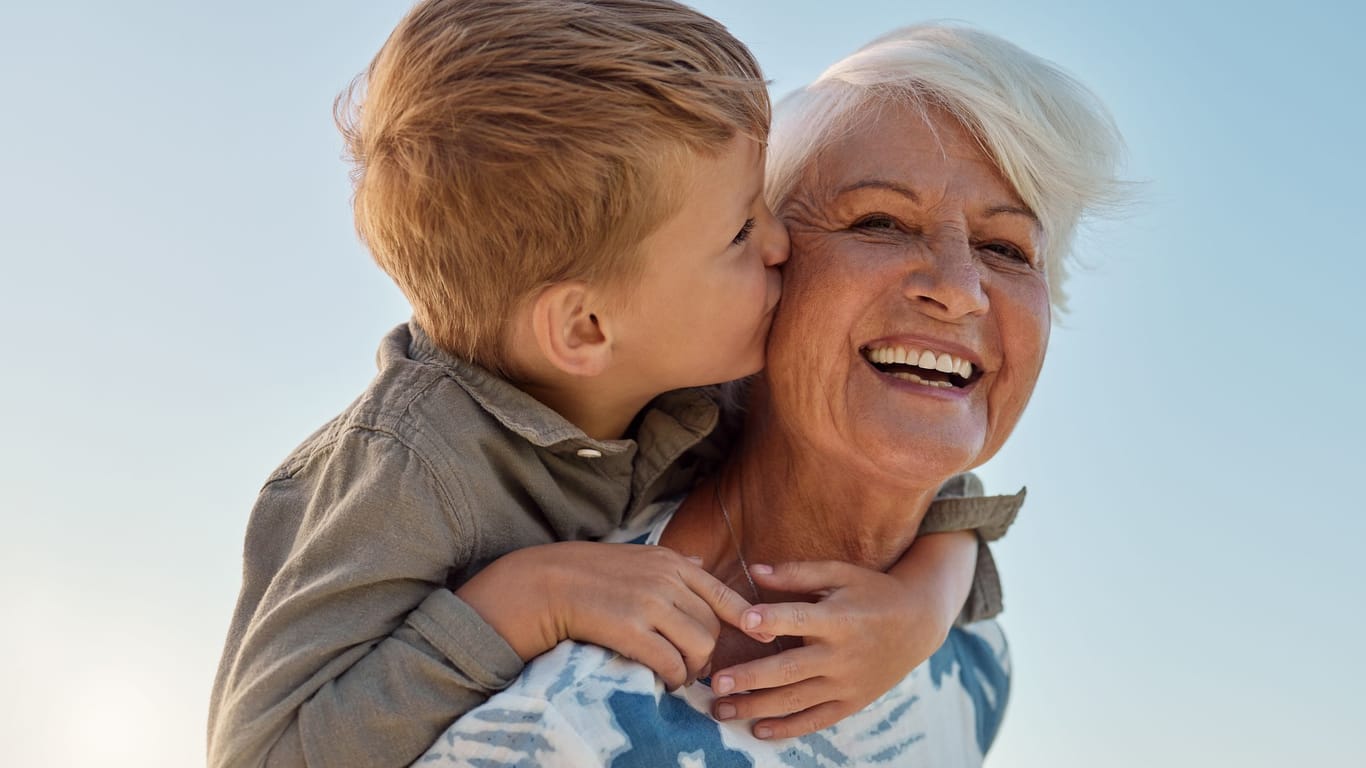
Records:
x=569, y=704
x=564, y=668
x=987, y=632
x=973, y=668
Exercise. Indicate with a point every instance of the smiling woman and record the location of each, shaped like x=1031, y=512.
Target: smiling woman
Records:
x=908, y=250
x=930, y=192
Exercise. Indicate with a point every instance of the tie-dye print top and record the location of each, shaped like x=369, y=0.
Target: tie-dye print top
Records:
x=581, y=705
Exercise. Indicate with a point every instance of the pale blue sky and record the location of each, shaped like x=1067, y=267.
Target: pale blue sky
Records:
x=183, y=300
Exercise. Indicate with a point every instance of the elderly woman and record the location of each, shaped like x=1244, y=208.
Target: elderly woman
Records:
x=931, y=183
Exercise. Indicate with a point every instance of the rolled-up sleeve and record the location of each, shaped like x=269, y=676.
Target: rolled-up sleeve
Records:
x=347, y=648
x=961, y=506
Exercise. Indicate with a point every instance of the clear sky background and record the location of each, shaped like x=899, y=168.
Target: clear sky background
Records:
x=183, y=299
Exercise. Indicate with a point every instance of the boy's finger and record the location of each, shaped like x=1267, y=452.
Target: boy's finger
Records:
x=657, y=653
x=787, y=619
x=691, y=605
x=806, y=576
x=783, y=669
x=801, y=723
x=725, y=602
x=778, y=702
x=693, y=640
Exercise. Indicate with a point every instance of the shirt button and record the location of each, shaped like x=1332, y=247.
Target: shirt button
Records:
x=589, y=453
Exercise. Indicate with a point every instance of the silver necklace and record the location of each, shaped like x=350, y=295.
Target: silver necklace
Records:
x=744, y=566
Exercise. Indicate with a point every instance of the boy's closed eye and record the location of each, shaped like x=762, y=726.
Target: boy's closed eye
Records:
x=744, y=233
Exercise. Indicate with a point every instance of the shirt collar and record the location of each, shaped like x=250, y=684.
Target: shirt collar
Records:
x=672, y=423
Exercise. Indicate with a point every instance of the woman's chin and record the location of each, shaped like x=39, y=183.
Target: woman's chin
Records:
x=918, y=430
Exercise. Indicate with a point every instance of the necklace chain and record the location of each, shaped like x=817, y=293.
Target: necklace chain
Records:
x=740, y=555
x=735, y=540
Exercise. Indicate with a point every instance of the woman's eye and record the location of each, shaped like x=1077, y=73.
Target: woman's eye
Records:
x=875, y=221
x=1008, y=251
x=744, y=233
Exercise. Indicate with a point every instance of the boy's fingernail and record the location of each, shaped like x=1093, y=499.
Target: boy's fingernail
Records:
x=752, y=619
x=763, y=732
x=762, y=570
x=695, y=558
x=725, y=711
x=723, y=685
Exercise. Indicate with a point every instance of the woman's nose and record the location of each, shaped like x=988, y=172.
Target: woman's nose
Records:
x=945, y=279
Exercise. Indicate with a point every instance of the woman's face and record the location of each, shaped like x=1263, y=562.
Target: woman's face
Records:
x=915, y=312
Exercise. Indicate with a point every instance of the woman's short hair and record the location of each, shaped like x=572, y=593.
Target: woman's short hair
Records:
x=501, y=145
x=1050, y=137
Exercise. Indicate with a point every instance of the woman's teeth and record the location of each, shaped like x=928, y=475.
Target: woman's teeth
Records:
x=904, y=376
x=920, y=358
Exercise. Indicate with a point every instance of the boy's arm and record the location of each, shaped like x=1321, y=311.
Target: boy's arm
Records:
x=647, y=603
x=869, y=630
x=962, y=506
x=346, y=649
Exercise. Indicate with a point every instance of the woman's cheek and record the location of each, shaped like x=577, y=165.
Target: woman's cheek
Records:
x=1025, y=322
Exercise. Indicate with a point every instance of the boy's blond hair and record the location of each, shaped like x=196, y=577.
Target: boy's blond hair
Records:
x=502, y=145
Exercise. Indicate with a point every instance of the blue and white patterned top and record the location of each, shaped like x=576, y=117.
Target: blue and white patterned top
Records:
x=582, y=705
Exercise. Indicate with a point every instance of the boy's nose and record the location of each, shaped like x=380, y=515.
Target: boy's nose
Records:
x=777, y=245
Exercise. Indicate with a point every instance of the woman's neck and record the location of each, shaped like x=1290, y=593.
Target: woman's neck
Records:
x=790, y=502
x=771, y=504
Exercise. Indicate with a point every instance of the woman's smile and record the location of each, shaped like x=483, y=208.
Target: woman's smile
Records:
x=927, y=364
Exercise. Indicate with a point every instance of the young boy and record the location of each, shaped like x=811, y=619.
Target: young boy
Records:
x=569, y=193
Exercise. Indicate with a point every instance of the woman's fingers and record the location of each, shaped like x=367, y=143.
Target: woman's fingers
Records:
x=783, y=669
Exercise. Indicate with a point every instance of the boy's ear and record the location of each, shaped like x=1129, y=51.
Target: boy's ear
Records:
x=568, y=332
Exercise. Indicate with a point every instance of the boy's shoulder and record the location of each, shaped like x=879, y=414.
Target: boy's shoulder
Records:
x=412, y=401
x=480, y=441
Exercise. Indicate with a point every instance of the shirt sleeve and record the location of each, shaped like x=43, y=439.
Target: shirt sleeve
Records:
x=961, y=506
x=347, y=649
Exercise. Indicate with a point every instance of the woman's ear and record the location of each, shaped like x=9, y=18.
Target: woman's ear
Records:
x=567, y=331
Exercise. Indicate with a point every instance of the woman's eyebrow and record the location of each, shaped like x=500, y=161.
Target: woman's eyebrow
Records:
x=905, y=191
x=1016, y=210
x=881, y=184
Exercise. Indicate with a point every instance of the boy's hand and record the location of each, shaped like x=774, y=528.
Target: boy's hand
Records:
x=866, y=633
x=647, y=603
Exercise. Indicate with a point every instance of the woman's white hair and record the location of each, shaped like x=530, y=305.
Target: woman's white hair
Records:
x=1051, y=137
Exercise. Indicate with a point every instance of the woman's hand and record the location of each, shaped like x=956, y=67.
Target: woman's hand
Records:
x=648, y=603
x=866, y=632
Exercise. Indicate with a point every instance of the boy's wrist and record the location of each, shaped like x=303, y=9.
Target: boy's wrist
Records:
x=937, y=572
x=516, y=602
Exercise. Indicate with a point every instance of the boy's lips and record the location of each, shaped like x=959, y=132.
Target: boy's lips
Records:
x=774, y=302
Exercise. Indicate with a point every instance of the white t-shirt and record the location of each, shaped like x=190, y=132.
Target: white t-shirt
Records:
x=582, y=705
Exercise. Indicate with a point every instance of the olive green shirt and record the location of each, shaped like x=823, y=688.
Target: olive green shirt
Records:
x=347, y=646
